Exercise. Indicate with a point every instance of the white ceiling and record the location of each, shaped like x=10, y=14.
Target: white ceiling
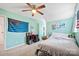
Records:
x=53, y=11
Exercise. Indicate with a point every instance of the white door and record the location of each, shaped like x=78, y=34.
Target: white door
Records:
x=1, y=32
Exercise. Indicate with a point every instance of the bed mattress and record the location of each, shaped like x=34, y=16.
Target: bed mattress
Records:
x=59, y=47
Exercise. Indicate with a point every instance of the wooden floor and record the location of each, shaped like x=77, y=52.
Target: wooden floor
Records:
x=25, y=50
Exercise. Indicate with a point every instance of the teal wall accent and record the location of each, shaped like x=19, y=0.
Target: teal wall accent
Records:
x=66, y=29
x=14, y=39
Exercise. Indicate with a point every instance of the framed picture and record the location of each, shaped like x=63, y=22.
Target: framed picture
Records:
x=17, y=26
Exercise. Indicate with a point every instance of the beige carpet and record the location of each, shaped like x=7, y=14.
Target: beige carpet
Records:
x=25, y=50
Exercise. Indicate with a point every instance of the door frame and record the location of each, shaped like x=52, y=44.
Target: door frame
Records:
x=4, y=40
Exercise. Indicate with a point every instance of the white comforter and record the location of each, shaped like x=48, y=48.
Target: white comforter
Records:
x=60, y=45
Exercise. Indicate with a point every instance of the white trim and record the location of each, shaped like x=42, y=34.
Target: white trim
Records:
x=75, y=23
x=4, y=31
x=6, y=27
x=29, y=27
x=14, y=46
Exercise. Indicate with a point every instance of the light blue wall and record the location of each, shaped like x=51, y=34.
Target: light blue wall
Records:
x=14, y=39
x=64, y=29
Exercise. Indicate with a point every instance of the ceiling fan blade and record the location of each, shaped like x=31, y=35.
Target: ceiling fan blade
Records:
x=40, y=7
x=40, y=12
x=26, y=10
x=34, y=6
x=29, y=5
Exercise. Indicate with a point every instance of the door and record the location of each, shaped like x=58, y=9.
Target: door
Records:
x=1, y=32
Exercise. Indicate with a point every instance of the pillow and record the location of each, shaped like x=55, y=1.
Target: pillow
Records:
x=64, y=38
x=60, y=36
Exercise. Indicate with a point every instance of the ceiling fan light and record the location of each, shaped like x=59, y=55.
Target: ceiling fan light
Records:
x=34, y=11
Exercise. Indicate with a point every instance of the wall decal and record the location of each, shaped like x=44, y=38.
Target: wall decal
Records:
x=57, y=25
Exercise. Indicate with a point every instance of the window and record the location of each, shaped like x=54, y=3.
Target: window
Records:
x=77, y=26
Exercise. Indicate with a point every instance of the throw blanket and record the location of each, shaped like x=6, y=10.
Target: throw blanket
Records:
x=59, y=47
x=53, y=51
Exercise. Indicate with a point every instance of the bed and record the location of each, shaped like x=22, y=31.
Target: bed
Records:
x=58, y=44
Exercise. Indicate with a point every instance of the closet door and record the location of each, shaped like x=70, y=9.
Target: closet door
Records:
x=1, y=32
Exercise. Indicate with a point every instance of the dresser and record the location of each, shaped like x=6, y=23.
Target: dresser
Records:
x=31, y=38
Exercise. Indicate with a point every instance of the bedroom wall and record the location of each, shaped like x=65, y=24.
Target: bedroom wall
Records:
x=15, y=39
x=60, y=14
x=66, y=28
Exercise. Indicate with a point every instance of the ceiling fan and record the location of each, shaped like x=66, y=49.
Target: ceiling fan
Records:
x=34, y=9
